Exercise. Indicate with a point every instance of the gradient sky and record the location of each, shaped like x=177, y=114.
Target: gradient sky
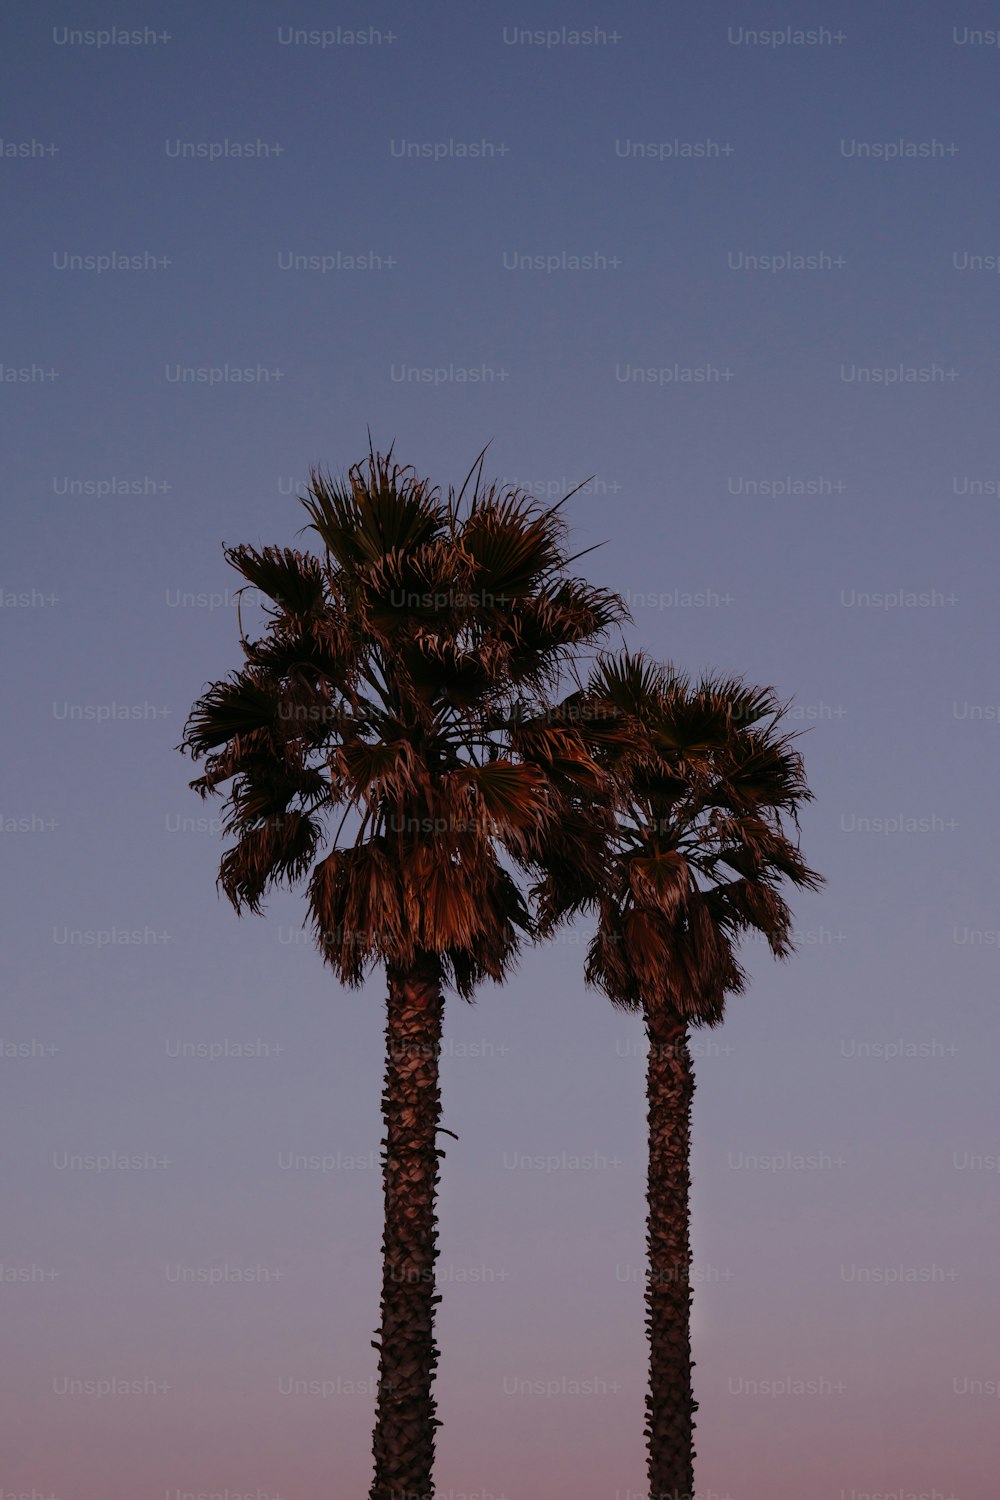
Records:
x=805, y=520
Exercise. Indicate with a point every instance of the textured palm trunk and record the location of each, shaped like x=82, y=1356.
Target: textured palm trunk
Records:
x=411, y=1108
x=670, y=1405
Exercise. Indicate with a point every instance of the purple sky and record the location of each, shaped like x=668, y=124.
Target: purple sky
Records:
x=814, y=506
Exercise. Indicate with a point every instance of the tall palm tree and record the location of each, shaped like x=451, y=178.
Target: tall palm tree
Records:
x=705, y=780
x=402, y=682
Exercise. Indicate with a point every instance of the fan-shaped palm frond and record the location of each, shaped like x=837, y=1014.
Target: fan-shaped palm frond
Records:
x=383, y=507
x=294, y=582
x=242, y=707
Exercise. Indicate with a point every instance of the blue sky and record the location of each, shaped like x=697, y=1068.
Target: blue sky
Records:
x=797, y=474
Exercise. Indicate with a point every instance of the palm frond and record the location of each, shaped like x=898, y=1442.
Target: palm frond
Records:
x=241, y=705
x=382, y=508
x=280, y=850
x=292, y=580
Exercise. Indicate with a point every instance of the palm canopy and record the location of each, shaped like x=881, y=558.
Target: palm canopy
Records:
x=705, y=781
x=403, y=679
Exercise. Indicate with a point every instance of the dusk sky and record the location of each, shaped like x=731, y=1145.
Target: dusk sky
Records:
x=752, y=287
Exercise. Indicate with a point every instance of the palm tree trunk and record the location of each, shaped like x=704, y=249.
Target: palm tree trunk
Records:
x=411, y=1108
x=670, y=1405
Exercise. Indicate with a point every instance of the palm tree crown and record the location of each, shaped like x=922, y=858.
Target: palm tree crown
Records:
x=706, y=780
x=402, y=679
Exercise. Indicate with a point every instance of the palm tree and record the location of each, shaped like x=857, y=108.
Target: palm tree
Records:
x=402, y=681
x=705, y=779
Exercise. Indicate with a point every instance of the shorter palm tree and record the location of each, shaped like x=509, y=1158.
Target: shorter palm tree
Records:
x=705, y=780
